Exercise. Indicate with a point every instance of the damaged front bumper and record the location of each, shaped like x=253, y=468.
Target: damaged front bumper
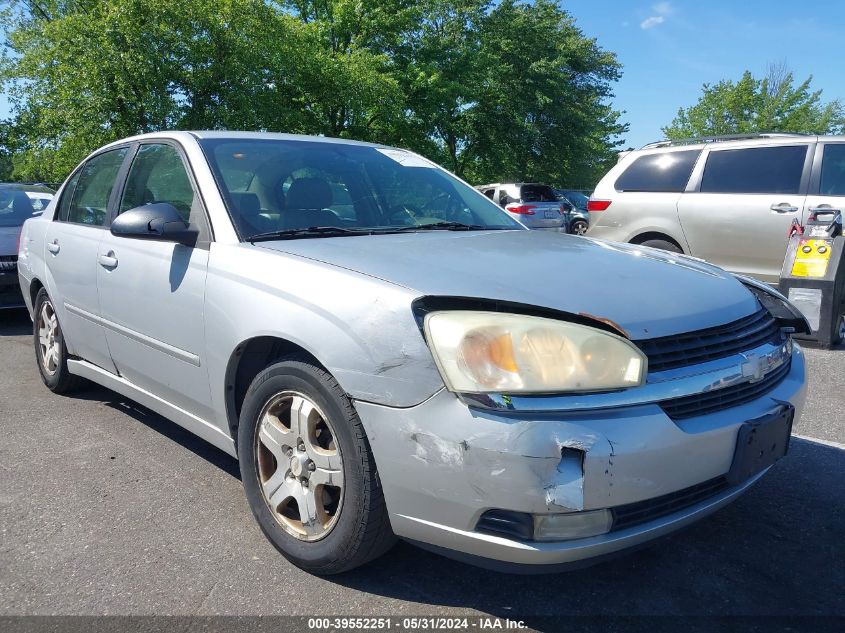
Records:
x=445, y=465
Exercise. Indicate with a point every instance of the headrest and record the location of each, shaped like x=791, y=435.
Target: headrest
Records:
x=21, y=205
x=247, y=204
x=309, y=193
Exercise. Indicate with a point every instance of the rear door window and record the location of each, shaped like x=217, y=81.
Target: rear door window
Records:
x=833, y=171
x=67, y=198
x=90, y=201
x=755, y=170
x=664, y=172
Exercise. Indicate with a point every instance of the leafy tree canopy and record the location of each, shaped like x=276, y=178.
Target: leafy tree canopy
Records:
x=771, y=104
x=492, y=90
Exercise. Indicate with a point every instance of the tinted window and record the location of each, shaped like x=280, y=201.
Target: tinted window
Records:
x=273, y=185
x=667, y=172
x=158, y=175
x=67, y=198
x=15, y=208
x=537, y=193
x=755, y=170
x=90, y=201
x=833, y=171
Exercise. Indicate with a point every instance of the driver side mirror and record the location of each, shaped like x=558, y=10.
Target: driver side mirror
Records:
x=158, y=221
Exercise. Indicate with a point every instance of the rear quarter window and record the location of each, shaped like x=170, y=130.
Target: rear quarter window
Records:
x=664, y=172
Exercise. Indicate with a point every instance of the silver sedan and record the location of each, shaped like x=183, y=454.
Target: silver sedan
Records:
x=367, y=334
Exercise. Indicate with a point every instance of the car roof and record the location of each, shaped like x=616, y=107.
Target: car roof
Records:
x=737, y=141
x=240, y=135
x=30, y=187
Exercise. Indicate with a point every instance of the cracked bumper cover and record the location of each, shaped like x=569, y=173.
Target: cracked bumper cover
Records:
x=443, y=464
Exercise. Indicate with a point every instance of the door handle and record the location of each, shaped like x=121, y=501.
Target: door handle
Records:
x=53, y=246
x=108, y=260
x=783, y=207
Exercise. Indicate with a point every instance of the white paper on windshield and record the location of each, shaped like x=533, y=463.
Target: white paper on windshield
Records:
x=406, y=159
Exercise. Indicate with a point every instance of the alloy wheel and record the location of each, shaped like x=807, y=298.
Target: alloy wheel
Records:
x=48, y=338
x=299, y=466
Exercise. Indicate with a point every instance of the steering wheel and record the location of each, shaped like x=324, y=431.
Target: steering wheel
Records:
x=404, y=215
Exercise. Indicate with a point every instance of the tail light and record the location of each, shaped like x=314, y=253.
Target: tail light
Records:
x=521, y=209
x=597, y=205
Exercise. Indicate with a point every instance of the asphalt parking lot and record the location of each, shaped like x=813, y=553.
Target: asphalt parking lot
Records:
x=107, y=508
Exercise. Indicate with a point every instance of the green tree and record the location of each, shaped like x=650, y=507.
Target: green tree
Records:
x=493, y=90
x=770, y=104
x=6, y=151
x=508, y=91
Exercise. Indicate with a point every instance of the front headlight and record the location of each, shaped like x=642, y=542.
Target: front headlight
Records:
x=492, y=352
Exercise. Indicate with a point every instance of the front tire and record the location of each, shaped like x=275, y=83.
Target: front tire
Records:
x=50, y=350
x=308, y=470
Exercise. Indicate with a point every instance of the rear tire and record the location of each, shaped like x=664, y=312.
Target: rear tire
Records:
x=839, y=331
x=663, y=245
x=50, y=350
x=308, y=471
x=579, y=227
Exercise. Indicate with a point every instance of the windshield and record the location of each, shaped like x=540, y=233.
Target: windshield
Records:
x=284, y=185
x=15, y=207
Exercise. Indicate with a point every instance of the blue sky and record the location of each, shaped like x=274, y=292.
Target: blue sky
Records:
x=669, y=49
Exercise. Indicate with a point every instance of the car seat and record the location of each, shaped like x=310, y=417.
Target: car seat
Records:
x=308, y=200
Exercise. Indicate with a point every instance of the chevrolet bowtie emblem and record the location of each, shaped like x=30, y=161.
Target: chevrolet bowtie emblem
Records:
x=756, y=367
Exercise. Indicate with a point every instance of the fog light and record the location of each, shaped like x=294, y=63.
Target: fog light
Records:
x=564, y=527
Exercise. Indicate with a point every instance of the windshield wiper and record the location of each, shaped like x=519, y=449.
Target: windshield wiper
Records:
x=339, y=231
x=445, y=226
x=311, y=231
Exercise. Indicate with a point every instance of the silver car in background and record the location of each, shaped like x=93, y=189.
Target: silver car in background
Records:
x=365, y=333
x=727, y=200
x=536, y=206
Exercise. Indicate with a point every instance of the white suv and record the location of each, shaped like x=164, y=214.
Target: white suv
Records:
x=728, y=200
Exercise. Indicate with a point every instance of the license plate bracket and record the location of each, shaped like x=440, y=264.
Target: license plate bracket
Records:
x=760, y=443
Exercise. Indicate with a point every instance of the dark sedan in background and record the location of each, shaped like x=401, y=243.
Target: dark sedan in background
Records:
x=18, y=203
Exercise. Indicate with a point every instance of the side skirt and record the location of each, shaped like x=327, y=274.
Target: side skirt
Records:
x=189, y=421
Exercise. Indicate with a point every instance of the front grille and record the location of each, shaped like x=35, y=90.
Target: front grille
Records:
x=719, y=399
x=632, y=514
x=670, y=352
x=8, y=262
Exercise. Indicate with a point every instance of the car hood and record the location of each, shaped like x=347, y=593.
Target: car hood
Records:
x=9, y=240
x=644, y=292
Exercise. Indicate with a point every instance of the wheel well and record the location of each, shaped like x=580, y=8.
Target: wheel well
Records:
x=248, y=359
x=644, y=237
x=34, y=287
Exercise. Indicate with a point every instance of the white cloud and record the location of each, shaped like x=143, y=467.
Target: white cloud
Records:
x=651, y=22
x=663, y=8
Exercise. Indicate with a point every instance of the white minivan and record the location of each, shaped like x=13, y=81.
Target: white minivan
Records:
x=727, y=200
